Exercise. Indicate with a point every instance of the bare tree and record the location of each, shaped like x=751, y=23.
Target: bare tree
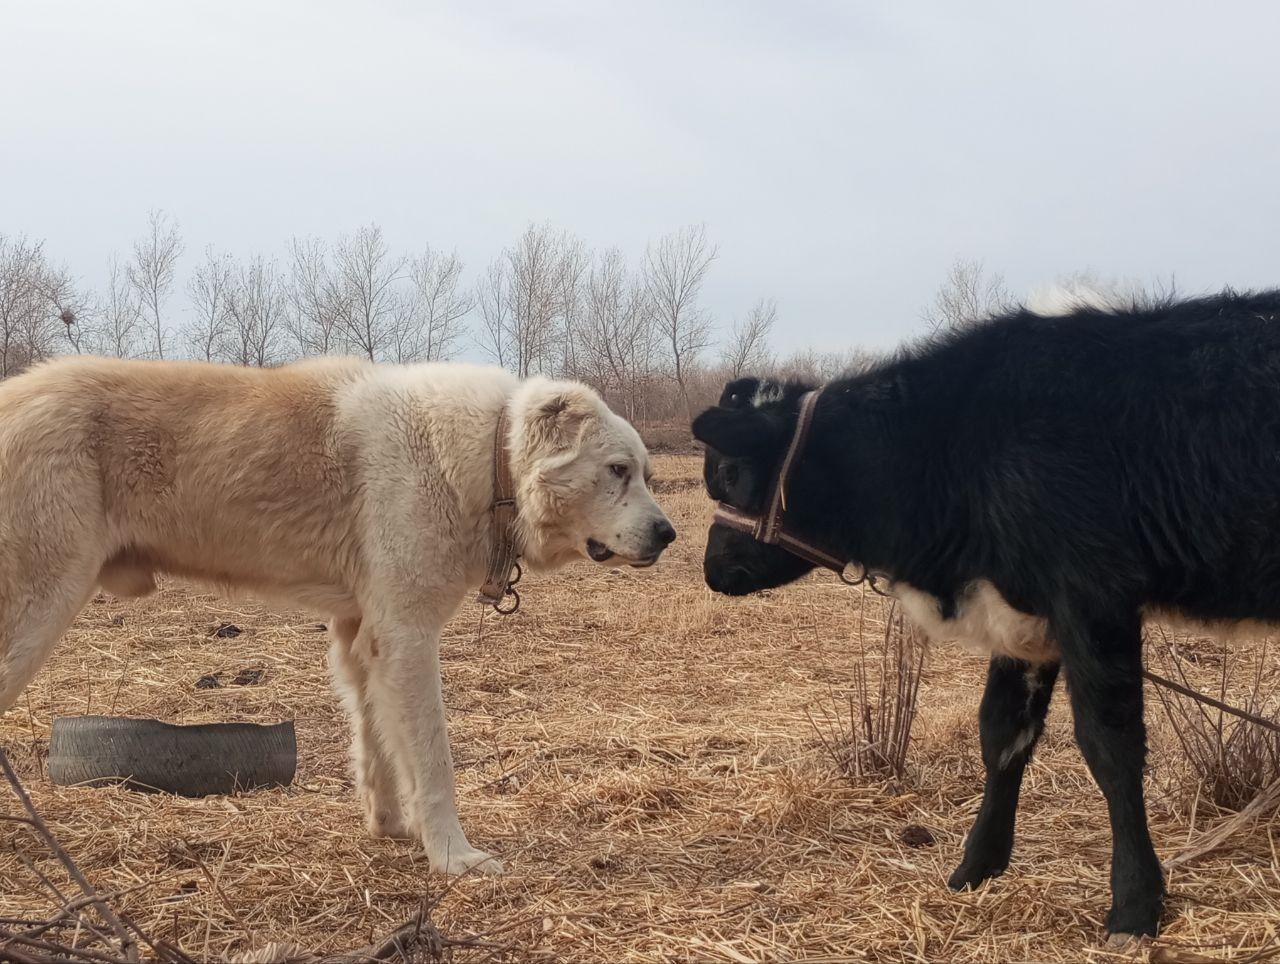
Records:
x=533, y=283
x=406, y=340
x=573, y=266
x=210, y=290
x=494, y=301
x=314, y=322
x=436, y=305
x=39, y=306
x=675, y=268
x=151, y=274
x=597, y=352
x=255, y=311
x=748, y=346
x=121, y=315
x=69, y=306
x=361, y=291
x=969, y=294
x=615, y=334
x=521, y=302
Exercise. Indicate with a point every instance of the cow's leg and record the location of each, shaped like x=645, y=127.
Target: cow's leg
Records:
x=1012, y=719
x=1103, y=660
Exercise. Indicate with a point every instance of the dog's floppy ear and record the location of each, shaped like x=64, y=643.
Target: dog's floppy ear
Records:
x=555, y=423
x=739, y=432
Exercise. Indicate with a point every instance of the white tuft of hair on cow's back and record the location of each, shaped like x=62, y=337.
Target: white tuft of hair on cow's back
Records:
x=1068, y=295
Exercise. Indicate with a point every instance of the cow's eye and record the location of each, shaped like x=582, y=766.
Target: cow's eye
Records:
x=619, y=469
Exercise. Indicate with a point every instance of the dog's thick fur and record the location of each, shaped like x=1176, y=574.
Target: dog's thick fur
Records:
x=362, y=491
x=1036, y=484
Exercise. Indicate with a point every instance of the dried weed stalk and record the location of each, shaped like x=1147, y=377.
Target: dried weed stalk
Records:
x=867, y=733
x=1233, y=759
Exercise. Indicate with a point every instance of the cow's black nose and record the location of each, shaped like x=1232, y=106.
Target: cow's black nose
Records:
x=665, y=532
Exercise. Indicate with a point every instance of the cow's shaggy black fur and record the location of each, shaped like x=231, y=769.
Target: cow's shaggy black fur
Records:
x=1089, y=466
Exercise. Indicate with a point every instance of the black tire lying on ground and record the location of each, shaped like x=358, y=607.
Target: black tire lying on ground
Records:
x=192, y=761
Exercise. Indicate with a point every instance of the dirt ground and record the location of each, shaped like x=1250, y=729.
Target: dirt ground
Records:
x=641, y=754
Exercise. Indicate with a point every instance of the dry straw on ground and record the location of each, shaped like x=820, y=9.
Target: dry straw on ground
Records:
x=640, y=753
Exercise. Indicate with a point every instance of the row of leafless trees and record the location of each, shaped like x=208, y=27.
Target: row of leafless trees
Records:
x=638, y=332
x=38, y=304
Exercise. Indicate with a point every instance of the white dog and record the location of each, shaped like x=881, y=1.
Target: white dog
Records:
x=363, y=491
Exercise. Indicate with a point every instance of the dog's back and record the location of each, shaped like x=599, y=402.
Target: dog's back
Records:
x=114, y=471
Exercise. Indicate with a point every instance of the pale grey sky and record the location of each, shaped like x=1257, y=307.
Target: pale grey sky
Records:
x=840, y=154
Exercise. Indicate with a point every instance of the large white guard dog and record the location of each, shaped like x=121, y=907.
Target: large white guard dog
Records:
x=362, y=491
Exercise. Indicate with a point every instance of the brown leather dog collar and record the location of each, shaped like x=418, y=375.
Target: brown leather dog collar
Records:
x=504, y=565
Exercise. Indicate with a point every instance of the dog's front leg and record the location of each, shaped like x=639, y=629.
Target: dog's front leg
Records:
x=408, y=706
x=349, y=658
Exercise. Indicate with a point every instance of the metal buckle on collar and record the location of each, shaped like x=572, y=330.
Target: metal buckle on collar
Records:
x=510, y=591
x=853, y=574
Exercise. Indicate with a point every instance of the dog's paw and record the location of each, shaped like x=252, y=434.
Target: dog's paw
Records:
x=383, y=815
x=461, y=857
x=382, y=823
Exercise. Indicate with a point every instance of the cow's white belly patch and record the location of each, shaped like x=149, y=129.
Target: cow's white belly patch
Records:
x=984, y=623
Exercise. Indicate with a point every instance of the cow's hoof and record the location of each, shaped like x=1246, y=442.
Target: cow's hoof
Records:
x=1120, y=941
x=1125, y=923
x=972, y=874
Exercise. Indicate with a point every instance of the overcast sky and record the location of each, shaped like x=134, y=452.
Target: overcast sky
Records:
x=841, y=154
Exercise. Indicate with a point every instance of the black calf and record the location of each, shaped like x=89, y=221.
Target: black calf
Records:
x=1050, y=479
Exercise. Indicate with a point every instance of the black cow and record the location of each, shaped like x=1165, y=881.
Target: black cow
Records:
x=1038, y=485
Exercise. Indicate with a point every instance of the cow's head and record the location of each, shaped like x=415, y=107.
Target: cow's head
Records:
x=746, y=436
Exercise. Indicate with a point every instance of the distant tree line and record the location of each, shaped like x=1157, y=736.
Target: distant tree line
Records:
x=636, y=331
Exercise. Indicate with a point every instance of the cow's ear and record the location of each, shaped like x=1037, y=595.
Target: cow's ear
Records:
x=739, y=432
x=739, y=392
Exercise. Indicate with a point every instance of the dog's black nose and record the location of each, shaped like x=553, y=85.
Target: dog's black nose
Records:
x=665, y=532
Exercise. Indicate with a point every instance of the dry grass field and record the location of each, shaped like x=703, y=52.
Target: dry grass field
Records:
x=641, y=754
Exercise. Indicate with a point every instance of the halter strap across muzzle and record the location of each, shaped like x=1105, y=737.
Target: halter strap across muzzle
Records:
x=771, y=529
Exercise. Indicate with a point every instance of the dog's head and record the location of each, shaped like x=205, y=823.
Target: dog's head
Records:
x=581, y=475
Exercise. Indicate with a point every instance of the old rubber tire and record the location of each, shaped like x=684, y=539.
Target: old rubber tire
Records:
x=193, y=761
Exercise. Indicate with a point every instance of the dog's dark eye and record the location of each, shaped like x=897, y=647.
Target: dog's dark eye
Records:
x=619, y=469
x=730, y=474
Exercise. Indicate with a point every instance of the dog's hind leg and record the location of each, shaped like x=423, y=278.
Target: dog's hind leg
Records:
x=33, y=619
x=375, y=778
x=1012, y=718
x=52, y=543
x=408, y=706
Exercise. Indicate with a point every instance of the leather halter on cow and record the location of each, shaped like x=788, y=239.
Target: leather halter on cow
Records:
x=771, y=528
